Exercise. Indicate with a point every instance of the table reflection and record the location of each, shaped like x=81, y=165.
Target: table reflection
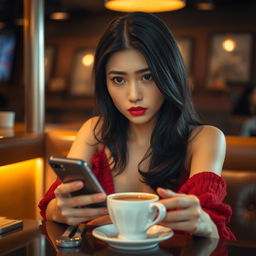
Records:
x=178, y=245
x=118, y=252
x=39, y=239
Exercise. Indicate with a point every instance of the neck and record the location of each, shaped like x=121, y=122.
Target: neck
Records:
x=141, y=134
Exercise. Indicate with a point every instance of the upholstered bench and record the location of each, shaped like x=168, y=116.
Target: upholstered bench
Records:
x=239, y=171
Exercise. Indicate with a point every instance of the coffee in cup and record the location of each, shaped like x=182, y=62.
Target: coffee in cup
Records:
x=134, y=213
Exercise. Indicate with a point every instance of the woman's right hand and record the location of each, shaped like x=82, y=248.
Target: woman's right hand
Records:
x=68, y=209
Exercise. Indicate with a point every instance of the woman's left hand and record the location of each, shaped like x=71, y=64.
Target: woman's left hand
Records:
x=184, y=213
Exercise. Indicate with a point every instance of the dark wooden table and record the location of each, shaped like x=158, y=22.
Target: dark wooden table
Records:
x=38, y=239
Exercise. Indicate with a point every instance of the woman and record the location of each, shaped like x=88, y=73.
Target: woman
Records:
x=146, y=136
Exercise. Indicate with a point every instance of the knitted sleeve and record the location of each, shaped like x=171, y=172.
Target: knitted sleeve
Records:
x=211, y=190
x=48, y=197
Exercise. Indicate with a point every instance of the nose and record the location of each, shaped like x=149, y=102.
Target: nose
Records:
x=134, y=92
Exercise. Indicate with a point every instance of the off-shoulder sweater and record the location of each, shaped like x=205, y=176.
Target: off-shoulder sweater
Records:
x=207, y=186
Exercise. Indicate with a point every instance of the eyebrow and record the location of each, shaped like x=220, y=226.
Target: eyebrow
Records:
x=125, y=73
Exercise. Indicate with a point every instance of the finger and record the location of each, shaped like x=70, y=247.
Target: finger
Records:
x=65, y=189
x=75, y=221
x=188, y=226
x=181, y=215
x=100, y=221
x=179, y=202
x=84, y=200
x=88, y=213
x=58, y=193
x=166, y=193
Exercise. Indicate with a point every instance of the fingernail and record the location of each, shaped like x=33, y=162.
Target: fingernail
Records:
x=79, y=184
x=101, y=196
x=168, y=191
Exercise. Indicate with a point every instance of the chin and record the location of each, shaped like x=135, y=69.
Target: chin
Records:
x=139, y=119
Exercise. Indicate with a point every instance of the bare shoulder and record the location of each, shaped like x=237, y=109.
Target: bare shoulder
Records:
x=206, y=132
x=91, y=122
x=87, y=140
x=90, y=129
x=207, y=148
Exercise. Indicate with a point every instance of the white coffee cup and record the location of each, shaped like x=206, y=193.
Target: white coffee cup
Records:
x=134, y=213
x=7, y=119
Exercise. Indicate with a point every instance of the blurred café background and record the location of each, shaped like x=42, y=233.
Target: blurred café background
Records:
x=217, y=40
x=46, y=57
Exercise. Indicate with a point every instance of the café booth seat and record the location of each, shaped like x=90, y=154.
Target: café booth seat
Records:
x=239, y=172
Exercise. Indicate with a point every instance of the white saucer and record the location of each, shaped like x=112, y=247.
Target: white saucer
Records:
x=155, y=235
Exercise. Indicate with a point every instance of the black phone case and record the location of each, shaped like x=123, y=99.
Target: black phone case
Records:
x=71, y=169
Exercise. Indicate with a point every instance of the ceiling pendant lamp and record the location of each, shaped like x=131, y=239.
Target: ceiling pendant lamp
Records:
x=144, y=5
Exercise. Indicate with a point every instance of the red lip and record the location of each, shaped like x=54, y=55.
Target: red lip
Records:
x=137, y=111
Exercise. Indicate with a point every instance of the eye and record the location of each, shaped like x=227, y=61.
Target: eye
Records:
x=118, y=80
x=147, y=77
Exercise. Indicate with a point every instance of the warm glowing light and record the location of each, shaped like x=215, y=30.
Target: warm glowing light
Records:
x=59, y=16
x=46, y=61
x=20, y=21
x=21, y=187
x=205, y=6
x=25, y=22
x=71, y=138
x=88, y=59
x=2, y=25
x=229, y=45
x=144, y=5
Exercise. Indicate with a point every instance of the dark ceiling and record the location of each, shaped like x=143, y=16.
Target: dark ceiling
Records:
x=82, y=6
x=11, y=9
x=98, y=5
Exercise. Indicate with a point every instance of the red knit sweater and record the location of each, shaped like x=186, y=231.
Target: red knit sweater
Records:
x=207, y=186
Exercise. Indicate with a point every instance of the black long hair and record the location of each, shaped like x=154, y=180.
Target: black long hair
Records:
x=149, y=35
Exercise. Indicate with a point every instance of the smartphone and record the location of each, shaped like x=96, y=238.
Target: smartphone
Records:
x=72, y=169
x=7, y=225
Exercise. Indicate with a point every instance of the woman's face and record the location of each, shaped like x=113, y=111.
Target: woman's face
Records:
x=132, y=88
